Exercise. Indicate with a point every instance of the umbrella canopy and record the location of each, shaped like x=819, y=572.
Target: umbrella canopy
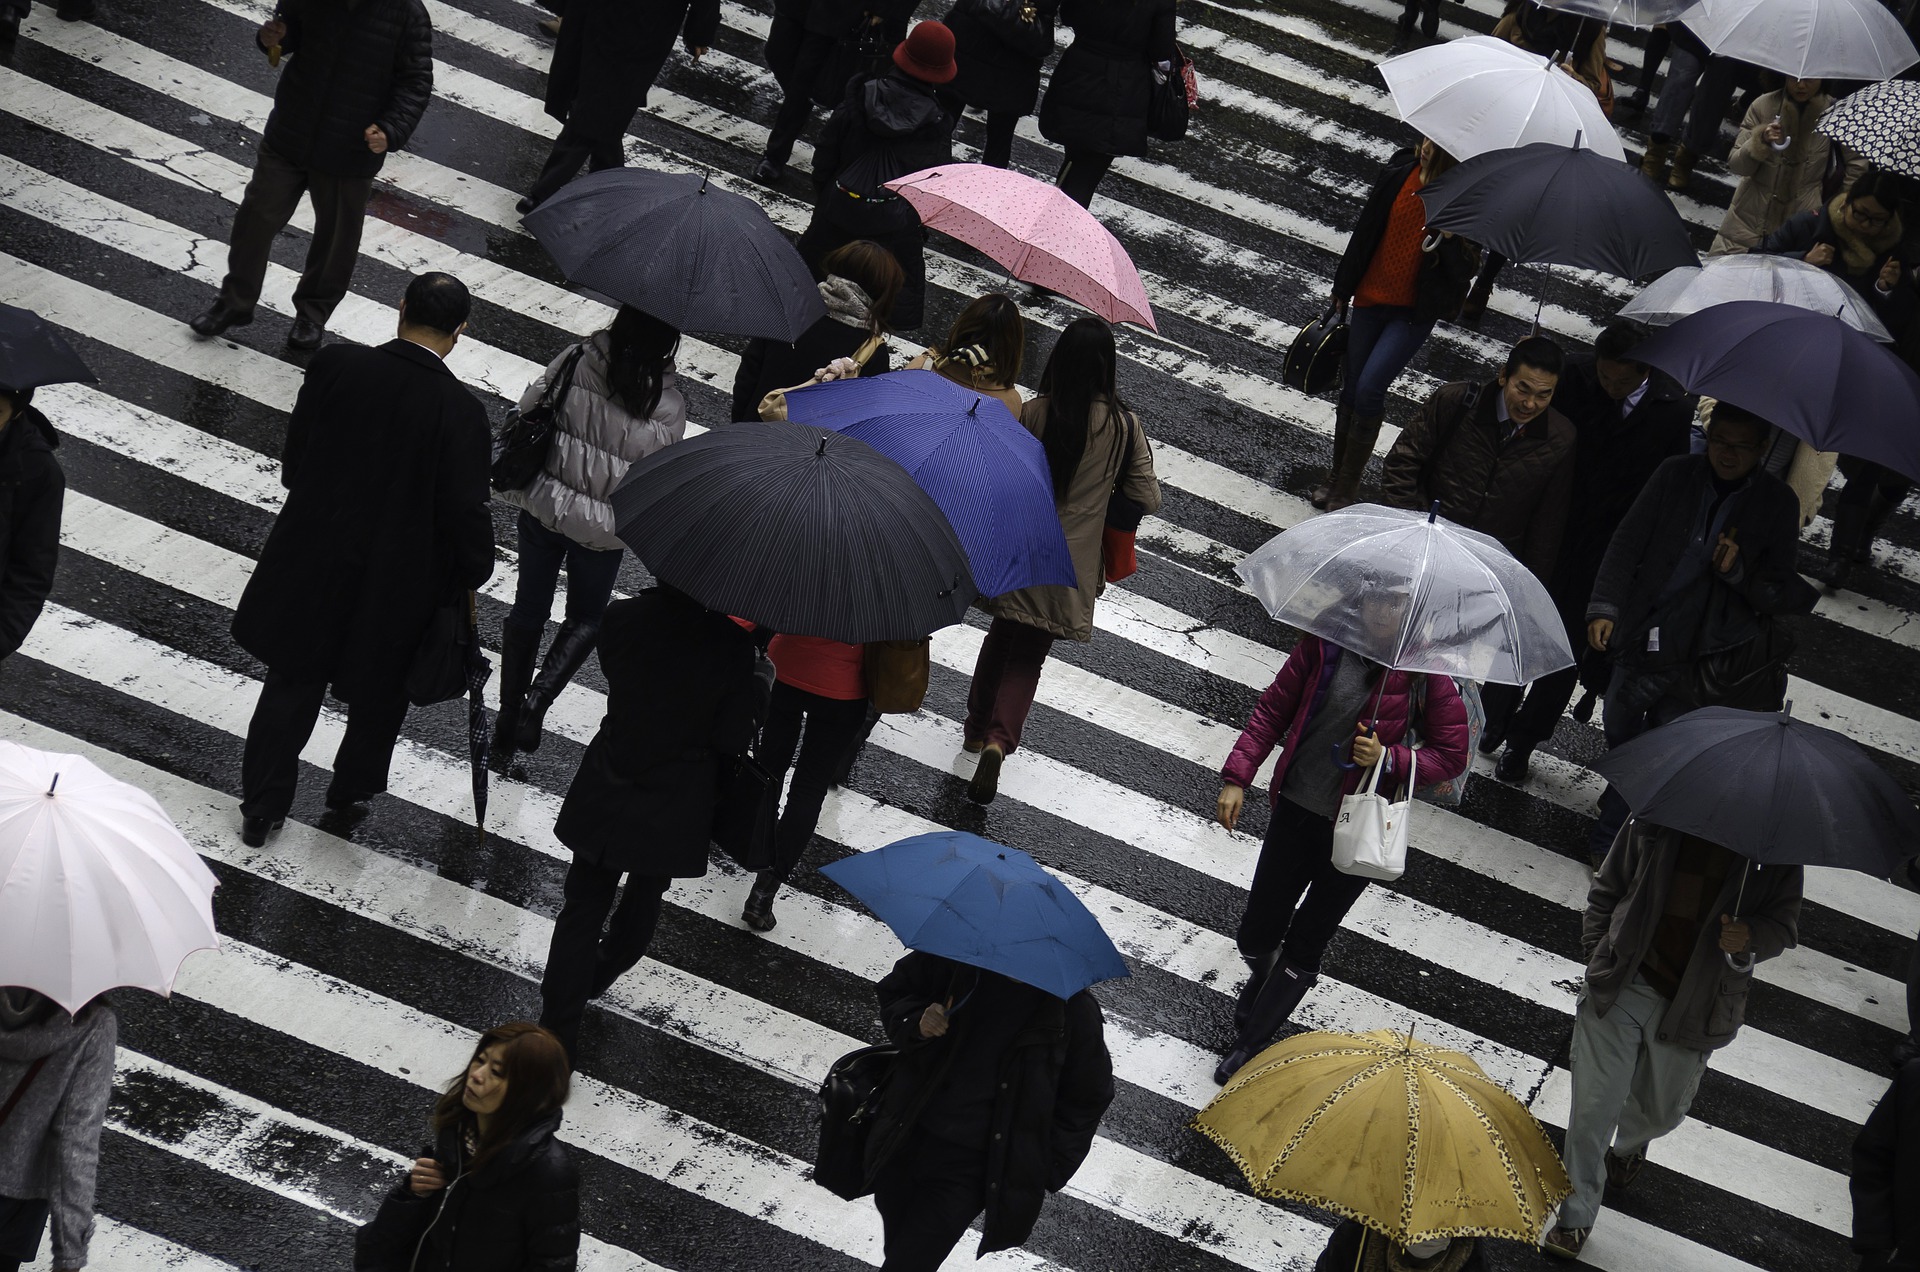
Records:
x=1784, y=280
x=983, y=904
x=1810, y=374
x=97, y=888
x=1633, y=13
x=1411, y=1140
x=1559, y=205
x=799, y=529
x=1772, y=788
x=1807, y=39
x=1035, y=231
x=33, y=353
x=1881, y=123
x=1477, y=94
x=690, y=254
x=985, y=471
x=1413, y=591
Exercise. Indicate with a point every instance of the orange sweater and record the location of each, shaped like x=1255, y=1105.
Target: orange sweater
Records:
x=1393, y=275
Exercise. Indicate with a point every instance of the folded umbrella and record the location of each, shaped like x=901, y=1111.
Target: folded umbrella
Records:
x=1810, y=374
x=798, y=529
x=683, y=250
x=1476, y=94
x=1719, y=280
x=1881, y=123
x=1807, y=39
x=987, y=473
x=1034, y=230
x=33, y=353
x=983, y=904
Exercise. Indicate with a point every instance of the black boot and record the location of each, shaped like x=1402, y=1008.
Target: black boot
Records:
x=569, y=649
x=1271, y=1007
x=1258, y=969
x=1852, y=541
x=758, y=912
x=519, y=650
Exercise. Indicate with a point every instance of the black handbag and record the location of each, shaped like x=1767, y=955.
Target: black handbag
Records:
x=849, y=1097
x=521, y=444
x=1750, y=676
x=743, y=815
x=438, y=672
x=1314, y=357
x=1167, y=107
x=863, y=50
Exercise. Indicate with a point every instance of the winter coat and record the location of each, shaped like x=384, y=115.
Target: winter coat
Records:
x=50, y=1143
x=386, y=519
x=1714, y=611
x=520, y=1212
x=1777, y=184
x=1624, y=906
x=32, y=492
x=1067, y=612
x=888, y=126
x=347, y=65
x=1446, y=273
x=610, y=52
x=1343, y=1254
x=999, y=63
x=1886, y=1174
x=1799, y=234
x=1056, y=1081
x=595, y=441
x=681, y=694
x=1516, y=491
x=1098, y=99
x=809, y=43
x=767, y=364
x=1281, y=716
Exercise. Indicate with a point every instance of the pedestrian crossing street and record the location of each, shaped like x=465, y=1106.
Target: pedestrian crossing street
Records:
x=264, y=1108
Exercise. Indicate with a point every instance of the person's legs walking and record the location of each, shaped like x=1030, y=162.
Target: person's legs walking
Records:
x=1290, y=858
x=833, y=724
x=1658, y=42
x=1606, y=1052
x=361, y=764
x=283, y=720
x=927, y=1195
x=1024, y=654
x=1630, y=699
x=630, y=930
x=1080, y=173
x=591, y=573
x=989, y=665
x=339, y=212
x=541, y=554
x=1670, y=113
x=1664, y=1082
x=273, y=194
x=590, y=576
x=574, y=949
x=1398, y=337
x=1329, y=897
x=998, y=152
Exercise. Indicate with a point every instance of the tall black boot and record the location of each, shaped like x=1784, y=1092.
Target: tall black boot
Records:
x=1258, y=970
x=1852, y=539
x=519, y=650
x=1271, y=1007
x=569, y=649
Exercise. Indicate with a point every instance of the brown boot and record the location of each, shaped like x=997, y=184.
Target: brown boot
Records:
x=1655, y=163
x=1353, y=464
x=1682, y=172
x=1342, y=425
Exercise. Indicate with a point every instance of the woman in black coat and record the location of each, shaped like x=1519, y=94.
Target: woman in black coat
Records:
x=999, y=58
x=1886, y=1178
x=1098, y=101
x=861, y=284
x=494, y=1191
x=810, y=52
x=32, y=489
x=994, y=1103
x=681, y=694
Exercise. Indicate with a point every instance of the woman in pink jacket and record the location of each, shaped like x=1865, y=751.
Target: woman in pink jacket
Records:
x=1335, y=715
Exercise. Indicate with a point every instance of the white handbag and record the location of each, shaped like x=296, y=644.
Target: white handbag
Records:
x=1370, y=830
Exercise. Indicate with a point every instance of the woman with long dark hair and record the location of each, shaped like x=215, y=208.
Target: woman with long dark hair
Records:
x=862, y=280
x=621, y=403
x=495, y=1191
x=984, y=350
x=1094, y=446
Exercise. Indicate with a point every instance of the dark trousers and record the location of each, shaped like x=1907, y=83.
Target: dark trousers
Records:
x=1913, y=993
x=1658, y=42
x=22, y=1222
x=1635, y=703
x=1296, y=858
x=1428, y=11
x=543, y=552
x=833, y=727
x=928, y=1194
x=1080, y=174
x=1006, y=675
x=810, y=53
x=282, y=722
x=998, y=152
x=597, y=148
x=1528, y=714
x=273, y=193
x=581, y=961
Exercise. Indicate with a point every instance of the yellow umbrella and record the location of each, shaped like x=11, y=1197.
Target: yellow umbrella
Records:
x=1412, y=1140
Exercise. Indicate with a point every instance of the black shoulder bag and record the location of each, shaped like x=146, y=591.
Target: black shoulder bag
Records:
x=524, y=439
x=744, y=807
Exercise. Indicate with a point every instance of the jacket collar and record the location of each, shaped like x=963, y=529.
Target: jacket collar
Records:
x=418, y=354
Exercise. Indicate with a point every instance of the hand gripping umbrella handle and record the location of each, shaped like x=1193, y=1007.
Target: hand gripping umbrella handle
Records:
x=1733, y=960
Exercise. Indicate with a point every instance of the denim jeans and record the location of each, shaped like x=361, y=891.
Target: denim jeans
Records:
x=1381, y=340
x=1692, y=101
x=590, y=575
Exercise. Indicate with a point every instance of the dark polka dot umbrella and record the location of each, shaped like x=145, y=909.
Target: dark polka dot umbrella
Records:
x=1880, y=122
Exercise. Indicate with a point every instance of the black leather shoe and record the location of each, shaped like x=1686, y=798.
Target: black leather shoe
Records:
x=1513, y=764
x=254, y=830
x=305, y=335
x=767, y=172
x=218, y=319
x=525, y=205
x=340, y=797
x=74, y=10
x=9, y=30
x=1491, y=742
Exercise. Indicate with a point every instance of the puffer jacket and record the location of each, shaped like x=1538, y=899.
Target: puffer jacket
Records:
x=595, y=441
x=348, y=64
x=1101, y=93
x=1777, y=184
x=1282, y=713
x=32, y=494
x=1624, y=907
x=998, y=63
x=888, y=126
x=50, y=1144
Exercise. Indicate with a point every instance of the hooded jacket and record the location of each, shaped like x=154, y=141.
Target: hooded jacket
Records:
x=348, y=64
x=888, y=126
x=32, y=491
x=50, y=1144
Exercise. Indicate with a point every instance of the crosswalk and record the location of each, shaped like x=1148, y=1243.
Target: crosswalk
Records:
x=262, y=1110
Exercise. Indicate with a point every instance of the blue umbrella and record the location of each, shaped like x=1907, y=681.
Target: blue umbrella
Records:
x=982, y=467
x=983, y=904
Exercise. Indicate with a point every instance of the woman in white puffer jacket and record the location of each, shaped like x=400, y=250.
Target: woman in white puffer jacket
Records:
x=621, y=404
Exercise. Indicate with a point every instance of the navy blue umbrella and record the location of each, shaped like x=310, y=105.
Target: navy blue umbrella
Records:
x=1811, y=374
x=984, y=469
x=983, y=904
x=32, y=353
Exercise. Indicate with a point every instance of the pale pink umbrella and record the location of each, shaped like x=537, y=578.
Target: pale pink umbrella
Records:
x=1039, y=234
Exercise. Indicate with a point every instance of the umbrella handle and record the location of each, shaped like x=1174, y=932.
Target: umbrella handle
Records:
x=1733, y=960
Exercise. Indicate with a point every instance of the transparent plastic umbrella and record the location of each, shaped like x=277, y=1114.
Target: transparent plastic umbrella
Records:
x=1633, y=13
x=1413, y=591
x=1720, y=280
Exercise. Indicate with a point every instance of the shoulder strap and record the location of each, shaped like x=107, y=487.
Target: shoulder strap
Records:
x=866, y=350
x=558, y=386
x=20, y=1088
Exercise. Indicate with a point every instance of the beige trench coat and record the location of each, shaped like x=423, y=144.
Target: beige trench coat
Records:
x=1775, y=184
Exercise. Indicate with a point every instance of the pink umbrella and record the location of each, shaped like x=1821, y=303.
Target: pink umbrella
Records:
x=1038, y=233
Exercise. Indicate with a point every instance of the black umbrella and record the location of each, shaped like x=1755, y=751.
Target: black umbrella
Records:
x=1774, y=789
x=1548, y=204
x=32, y=353
x=798, y=529
x=479, y=736
x=687, y=252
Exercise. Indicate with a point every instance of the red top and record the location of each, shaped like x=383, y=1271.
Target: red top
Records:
x=1393, y=276
x=829, y=668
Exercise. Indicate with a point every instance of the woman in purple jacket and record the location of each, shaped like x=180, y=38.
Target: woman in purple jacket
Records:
x=1326, y=705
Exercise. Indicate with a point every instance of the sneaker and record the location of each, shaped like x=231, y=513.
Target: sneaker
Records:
x=1565, y=1243
x=1622, y=1171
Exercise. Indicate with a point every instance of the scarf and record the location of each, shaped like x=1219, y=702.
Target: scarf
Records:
x=1860, y=254
x=847, y=301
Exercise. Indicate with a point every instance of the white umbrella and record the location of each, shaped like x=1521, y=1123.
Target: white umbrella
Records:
x=1412, y=591
x=1787, y=280
x=1477, y=94
x=1807, y=39
x=97, y=888
x=1633, y=13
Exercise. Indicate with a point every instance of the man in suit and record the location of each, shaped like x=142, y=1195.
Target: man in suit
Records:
x=386, y=519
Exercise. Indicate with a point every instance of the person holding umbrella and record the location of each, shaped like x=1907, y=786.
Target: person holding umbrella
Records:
x=32, y=489
x=983, y=350
x=861, y=285
x=1781, y=160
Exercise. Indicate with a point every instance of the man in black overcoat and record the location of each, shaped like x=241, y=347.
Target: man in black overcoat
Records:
x=386, y=519
x=1886, y=1178
x=809, y=41
x=355, y=78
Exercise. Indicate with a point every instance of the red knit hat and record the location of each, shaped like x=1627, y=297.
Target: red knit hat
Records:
x=927, y=53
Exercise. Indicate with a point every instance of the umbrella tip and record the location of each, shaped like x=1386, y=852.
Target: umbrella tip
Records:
x=975, y=408
x=51, y=785
x=1433, y=513
x=1786, y=709
x=1003, y=856
x=823, y=446
x=705, y=177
